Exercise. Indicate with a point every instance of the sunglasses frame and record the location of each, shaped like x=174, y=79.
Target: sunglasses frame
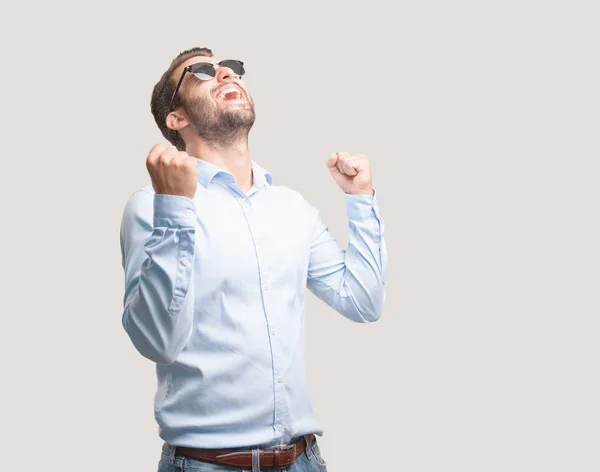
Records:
x=191, y=66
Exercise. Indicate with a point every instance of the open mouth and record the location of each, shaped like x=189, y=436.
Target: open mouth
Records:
x=230, y=93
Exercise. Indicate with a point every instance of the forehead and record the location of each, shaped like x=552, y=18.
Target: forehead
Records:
x=192, y=60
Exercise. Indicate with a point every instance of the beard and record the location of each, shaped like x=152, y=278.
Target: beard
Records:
x=220, y=126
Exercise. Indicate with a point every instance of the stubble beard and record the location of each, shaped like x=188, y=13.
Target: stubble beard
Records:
x=218, y=126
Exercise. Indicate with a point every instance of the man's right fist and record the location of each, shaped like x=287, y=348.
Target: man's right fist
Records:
x=172, y=172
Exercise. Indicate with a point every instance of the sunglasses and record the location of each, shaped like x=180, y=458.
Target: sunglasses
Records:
x=206, y=71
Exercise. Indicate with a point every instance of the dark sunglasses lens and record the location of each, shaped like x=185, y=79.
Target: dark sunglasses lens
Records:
x=204, y=71
x=236, y=66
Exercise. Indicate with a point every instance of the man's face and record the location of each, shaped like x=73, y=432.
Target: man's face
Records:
x=220, y=110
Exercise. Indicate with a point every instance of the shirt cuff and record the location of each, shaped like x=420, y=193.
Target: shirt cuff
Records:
x=359, y=207
x=174, y=211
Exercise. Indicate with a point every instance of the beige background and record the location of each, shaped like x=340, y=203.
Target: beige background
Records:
x=481, y=123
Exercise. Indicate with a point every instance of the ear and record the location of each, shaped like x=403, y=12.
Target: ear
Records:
x=176, y=120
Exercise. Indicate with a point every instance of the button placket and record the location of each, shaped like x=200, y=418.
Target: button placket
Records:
x=260, y=245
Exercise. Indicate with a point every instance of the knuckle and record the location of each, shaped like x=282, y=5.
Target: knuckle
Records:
x=156, y=149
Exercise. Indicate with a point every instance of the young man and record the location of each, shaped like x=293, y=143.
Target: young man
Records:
x=217, y=260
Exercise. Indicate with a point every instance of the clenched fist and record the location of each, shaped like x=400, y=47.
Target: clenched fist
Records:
x=352, y=172
x=172, y=172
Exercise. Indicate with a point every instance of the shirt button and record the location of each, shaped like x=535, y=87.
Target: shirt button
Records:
x=188, y=212
x=265, y=286
x=273, y=330
x=279, y=378
x=279, y=427
x=185, y=261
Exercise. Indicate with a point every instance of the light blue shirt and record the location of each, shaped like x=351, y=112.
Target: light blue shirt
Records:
x=215, y=291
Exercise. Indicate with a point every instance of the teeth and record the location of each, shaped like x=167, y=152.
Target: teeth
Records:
x=226, y=90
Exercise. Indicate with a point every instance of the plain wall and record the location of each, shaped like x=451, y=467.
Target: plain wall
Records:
x=480, y=120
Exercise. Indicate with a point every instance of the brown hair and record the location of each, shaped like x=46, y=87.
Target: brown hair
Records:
x=163, y=91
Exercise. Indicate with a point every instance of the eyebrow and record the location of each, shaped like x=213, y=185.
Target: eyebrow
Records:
x=204, y=62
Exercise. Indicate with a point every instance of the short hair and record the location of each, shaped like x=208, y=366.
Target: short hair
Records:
x=163, y=91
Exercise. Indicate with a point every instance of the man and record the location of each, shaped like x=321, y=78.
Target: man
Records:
x=217, y=260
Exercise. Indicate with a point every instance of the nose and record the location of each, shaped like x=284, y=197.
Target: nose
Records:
x=224, y=73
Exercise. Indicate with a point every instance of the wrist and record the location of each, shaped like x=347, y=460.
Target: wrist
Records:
x=369, y=193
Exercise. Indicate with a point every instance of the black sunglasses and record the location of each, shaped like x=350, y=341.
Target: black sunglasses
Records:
x=207, y=70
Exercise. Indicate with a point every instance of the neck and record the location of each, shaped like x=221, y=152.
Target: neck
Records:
x=234, y=158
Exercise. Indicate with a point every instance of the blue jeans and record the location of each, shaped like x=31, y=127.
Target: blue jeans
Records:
x=309, y=461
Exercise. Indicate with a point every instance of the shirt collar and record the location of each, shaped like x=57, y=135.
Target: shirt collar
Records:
x=207, y=172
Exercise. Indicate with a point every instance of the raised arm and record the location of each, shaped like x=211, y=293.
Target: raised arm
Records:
x=158, y=234
x=352, y=281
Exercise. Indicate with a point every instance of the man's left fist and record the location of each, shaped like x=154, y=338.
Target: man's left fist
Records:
x=352, y=172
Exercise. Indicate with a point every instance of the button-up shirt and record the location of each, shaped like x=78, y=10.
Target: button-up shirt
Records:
x=215, y=290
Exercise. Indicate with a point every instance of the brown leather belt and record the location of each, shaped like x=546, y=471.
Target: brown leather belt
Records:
x=278, y=457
